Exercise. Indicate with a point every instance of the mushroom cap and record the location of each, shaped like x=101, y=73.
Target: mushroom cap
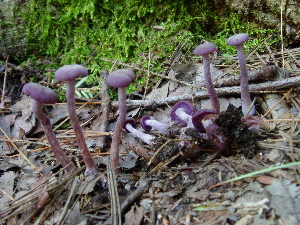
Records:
x=215, y=135
x=70, y=72
x=120, y=78
x=131, y=121
x=40, y=93
x=237, y=39
x=199, y=116
x=143, y=123
x=186, y=106
x=205, y=48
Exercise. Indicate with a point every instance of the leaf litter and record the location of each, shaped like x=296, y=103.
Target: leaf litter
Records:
x=181, y=189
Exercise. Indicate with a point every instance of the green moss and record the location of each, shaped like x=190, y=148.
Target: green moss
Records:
x=84, y=31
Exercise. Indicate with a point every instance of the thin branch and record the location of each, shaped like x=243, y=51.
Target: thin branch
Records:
x=270, y=86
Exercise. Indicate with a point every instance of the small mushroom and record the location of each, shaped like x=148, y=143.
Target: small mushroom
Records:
x=68, y=74
x=238, y=40
x=214, y=132
x=119, y=79
x=130, y=126
x=147, y=124
x=199, y=116
x=253, y=122
x=43, y=95
x=204, y=50
x=182, y=111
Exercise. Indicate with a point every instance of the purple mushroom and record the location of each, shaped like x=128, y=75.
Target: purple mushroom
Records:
x=214, y=132
x=204, y=50
x=68, y=74
x=253, y=123
x=199, y=116
x=147, y=124
x=130, y=126
x=119, y=79
x=238, y=40
x=182, y=111
x=43, y=95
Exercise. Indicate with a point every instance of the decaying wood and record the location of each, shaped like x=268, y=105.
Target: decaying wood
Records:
x=264, y=74
x=105, y=105
x=271, y=86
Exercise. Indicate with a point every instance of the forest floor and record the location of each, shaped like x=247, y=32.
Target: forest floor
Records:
x=255, y=181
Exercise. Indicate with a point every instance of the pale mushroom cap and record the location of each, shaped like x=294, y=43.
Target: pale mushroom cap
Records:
x=238, y=39
x=120, y=78
x=205, y=48
x=70, y=72
x=40, y=93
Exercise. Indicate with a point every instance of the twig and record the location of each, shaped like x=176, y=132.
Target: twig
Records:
x=105, y=98
x=254, y=88
x=70, y=195
x=114, y=196
x=142, y=188
x=266, y=73
x=4, y=82
x=146, y=71
x=20, y=152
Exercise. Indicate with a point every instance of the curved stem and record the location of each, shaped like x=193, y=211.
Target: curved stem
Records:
x=116, y=139
x=245, y=94
x=147, y=138
x=185, y=117
x=161, y=127
x=91, y=167
x=61, y=156
x=209, y=84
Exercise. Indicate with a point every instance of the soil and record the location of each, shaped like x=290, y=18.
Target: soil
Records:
x=177, y=180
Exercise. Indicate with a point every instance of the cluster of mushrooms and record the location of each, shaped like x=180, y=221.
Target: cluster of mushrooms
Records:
x=183, y=112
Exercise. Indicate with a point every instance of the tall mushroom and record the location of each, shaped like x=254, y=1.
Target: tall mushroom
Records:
x=238, y=40
x=119, y=79
x=204, y=50
x=43, y=95
x=68, y=74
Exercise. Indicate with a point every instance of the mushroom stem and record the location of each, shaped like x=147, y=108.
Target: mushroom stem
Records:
x=161, y=127
x=116, y=139
x=147, y=138
x=245, y=94
x=62, y=157
x=209, y=84
x=238, y=40
x=185, y=117
x=91, y=167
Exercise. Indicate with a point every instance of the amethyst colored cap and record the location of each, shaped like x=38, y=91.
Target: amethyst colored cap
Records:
x=205, y=48
x=120, y=78
x=186, y=106
x=70, y=72
x=238, y=39
x=143, y=123
x=40, y=93
x=130, y=121
x=199, y=116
